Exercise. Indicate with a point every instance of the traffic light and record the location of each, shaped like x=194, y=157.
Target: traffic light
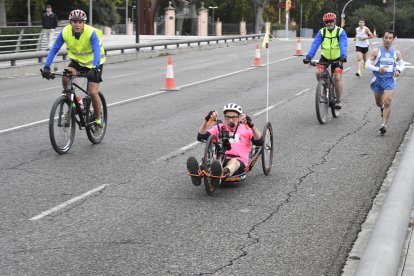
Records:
x=288, y=4
x=342, y=22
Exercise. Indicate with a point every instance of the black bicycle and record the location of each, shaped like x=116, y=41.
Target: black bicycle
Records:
x=66, y=112
x=325, y=96
x=217, y=146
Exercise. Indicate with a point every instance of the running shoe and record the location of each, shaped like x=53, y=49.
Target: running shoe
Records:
x=358, y=74
x=193, y=168
x=338, y=105
x=383, y=129
x=216, y=172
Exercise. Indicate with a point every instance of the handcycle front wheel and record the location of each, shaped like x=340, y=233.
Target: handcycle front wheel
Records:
x=321, y=101
x=62, y=125
x=267, y=148
x=209, y=157
x=96, y=134
x=332, y=96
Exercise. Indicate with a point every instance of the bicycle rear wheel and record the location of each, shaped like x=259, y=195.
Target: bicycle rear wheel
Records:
x=95, y=133
x=61, y=125
x=321, y=102
x=209, y=157
x=267, y=148
x=332, y=97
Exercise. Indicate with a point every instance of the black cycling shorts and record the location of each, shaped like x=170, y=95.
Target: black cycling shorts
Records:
x=79, y=68
x=241, y=168
x=333, y=66
x=363, y=50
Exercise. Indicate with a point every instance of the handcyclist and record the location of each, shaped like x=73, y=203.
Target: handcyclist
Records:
x=239, y=130
x=333, y=41
x=84, y=44
x=387, y=64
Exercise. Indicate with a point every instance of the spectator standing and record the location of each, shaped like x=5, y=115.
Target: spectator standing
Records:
x=49, y=24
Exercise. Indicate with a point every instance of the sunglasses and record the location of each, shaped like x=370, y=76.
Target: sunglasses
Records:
x=231, y=117
x=330, y=21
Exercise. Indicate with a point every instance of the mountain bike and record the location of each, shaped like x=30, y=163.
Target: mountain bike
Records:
x=325, y=96
x=66, y=112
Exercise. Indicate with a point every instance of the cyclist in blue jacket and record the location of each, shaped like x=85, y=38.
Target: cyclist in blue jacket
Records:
x=334, y=43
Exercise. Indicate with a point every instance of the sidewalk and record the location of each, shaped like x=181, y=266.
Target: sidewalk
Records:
x=407, y=254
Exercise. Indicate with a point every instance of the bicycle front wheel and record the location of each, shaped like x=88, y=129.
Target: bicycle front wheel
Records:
x=94, y=132
x=209, y=157
x=332, y=96
x=321, y=102
x=61, y=125
x=267, y=148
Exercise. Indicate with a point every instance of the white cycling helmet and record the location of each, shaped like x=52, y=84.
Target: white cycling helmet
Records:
x=232, y=107
x=77, y=15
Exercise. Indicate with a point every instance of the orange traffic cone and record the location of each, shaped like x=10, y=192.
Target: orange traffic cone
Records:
x=169, y=79
x=257, y=59
x=298, y=48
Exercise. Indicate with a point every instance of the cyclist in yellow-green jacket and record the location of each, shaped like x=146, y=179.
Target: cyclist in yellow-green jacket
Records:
x=334, y=42
x=84, y=44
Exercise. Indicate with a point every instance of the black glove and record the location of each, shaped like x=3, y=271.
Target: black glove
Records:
x=249, y=122
x=342, y=59
x=94, y=72
x=306, y=61
x=46, y=74
x=207, y=118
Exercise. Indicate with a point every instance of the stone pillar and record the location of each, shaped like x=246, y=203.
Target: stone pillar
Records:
x=202, y=21
x=170, y=20
x=268, y=27
x=243, y=27
x=218, y=27
x=130, y=27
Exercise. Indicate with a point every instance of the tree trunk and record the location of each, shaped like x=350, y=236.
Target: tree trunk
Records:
x=3, y=21
x=258, y=6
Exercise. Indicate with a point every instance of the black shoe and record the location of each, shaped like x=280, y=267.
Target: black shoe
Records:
x=226, y=172
x=383, y=129
x=193, y=168
x=216, y=171
x=338, y=105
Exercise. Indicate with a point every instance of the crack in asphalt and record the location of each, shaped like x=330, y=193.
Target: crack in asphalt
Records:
x=289, y=195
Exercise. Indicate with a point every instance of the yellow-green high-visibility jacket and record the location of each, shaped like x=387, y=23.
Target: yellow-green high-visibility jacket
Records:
x=80, y=50
x=330, y=43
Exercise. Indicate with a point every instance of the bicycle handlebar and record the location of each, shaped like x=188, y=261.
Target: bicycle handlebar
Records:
x=325, y=63
x=67, y=73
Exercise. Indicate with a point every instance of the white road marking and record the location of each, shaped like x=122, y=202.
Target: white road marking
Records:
x=301, y=92
x=147, y=95
x=69, y=202
x=121, y=76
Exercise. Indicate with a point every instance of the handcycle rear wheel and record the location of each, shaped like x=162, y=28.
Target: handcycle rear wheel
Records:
x=321, y=101
x=332, y=97
x=62, y=125
x=209, y=157
x=267, y=148
x=95, y=134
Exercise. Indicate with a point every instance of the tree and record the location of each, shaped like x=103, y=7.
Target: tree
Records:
x=3, y=19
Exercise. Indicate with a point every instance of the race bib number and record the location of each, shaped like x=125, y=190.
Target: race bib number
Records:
x=235, y=139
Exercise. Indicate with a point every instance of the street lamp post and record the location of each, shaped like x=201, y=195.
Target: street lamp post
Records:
x=214, y=29
x=29, y=18
x=393, y=15
x=343, y=11
x=90, y=12
x=132, y=18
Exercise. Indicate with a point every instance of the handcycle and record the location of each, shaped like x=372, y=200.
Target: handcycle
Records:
x=216, y=147
x=325, y=96
x=66, y=111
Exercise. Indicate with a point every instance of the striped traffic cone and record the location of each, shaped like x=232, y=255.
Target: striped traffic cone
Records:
x=257, y=59
x=169, y=78
x=298, y=48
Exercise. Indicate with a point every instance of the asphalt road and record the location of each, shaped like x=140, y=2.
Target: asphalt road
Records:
x=146, y=218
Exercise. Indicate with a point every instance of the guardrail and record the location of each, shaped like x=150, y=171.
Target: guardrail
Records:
x=40, y=55
x=20, y=42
